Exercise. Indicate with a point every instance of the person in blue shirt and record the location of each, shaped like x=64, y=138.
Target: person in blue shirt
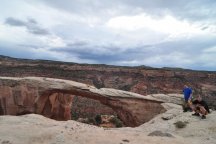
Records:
x=187, y=91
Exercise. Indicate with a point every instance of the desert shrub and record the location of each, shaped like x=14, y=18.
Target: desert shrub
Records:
x=74, y=115
x=98, y=119
x=24, y=113
x=91, y=121
x=116, y=121
x=180, y=124
x=160, y=133
x=83, y=120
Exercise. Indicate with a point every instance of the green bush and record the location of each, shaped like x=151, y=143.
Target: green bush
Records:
x=116, y=121
x=180, y=124
x=98, y=119
x=74, y=115
x=91, y=121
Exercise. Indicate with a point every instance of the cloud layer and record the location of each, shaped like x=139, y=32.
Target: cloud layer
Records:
x=155, y=33
x=31, y=25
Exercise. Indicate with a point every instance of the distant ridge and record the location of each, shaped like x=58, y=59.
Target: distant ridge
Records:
x=177, y=69
x=142, y=79
x=2, y=57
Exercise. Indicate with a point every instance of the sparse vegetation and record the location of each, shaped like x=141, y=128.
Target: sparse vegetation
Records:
x=125, y=140
x=91, y=121
x=98, y=119
x=160, y=133
x=117, y=122
x=180, y=124
x=74, y=115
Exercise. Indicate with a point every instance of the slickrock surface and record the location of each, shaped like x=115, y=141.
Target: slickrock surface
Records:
x=36, y=129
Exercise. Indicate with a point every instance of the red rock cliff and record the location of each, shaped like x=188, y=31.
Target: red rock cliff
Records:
x=141, y=80
x=52, y=98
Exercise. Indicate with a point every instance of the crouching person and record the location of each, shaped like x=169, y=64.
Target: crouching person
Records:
x=200, y=107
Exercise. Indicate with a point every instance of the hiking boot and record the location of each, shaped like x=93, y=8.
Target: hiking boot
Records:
x=196, y=114
x=185, y=110
x=190, y=110
x=203, y=117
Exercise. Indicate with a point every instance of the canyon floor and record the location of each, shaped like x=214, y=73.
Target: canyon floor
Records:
x=35, y=129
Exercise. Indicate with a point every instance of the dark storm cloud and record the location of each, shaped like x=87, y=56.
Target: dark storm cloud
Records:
x=14, y=51
x=14, y=22
x=33, y=21
x=38, y=31
x=31, y=46
x=106, y=54
x=81, y=25
x=172, y=53
x=78, y=44
x=31, y=25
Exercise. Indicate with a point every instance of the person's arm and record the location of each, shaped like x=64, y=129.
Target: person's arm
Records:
x=190, y=97
x=195, y=102
x=205, y=106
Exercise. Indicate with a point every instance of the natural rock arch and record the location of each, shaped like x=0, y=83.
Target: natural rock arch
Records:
x=30, y=94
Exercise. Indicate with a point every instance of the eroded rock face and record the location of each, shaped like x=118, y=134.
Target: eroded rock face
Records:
x=56, y=106
x=83, y=107
x=142, y=80
x=53, y=97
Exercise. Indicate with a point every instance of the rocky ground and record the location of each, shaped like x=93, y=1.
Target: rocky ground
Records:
x=160, y=130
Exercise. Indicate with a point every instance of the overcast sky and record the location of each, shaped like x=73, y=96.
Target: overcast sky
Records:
x=157, y=33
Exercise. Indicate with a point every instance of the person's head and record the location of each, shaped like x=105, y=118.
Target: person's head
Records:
x=199, y=98
x=185, y=86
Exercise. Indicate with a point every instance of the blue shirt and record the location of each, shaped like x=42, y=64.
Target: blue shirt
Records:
x=187, y=92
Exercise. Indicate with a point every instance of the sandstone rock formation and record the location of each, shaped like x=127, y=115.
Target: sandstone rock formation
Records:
x=87, y=108
x=53, y=97
x=36, y=129
x=142, y=80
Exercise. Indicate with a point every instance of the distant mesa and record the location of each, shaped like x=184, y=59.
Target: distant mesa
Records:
x=143, y=80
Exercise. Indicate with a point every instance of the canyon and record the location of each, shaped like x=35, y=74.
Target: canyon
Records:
x=141, y=79
x=147, y=100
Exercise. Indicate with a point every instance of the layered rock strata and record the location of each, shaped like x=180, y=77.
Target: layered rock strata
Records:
x=142, y=80
x=53, y=97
